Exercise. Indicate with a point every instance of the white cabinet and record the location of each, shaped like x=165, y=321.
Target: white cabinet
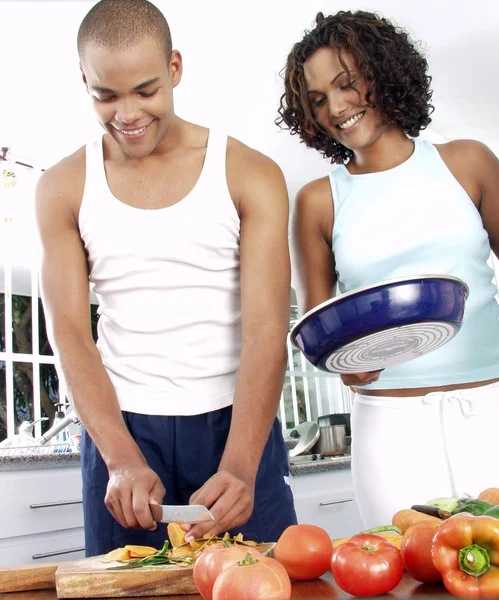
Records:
x=51, y=547
x=42, y=516
x=326, y=499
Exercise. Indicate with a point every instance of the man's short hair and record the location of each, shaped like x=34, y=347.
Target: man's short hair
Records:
x=122, y=24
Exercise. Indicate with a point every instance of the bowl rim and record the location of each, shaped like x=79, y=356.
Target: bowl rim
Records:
x=313, y=311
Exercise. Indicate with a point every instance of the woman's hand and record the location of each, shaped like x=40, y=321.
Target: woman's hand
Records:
x=359, y=379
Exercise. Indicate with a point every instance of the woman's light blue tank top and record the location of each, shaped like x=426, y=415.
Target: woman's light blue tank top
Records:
x=416, y=219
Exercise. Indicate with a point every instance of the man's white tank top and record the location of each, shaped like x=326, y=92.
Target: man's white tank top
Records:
x=168, y=287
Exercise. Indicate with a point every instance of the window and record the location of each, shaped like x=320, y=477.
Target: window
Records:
x=29, y=384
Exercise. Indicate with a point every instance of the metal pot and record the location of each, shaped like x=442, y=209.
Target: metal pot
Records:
x=332, y=440
x=335, y=419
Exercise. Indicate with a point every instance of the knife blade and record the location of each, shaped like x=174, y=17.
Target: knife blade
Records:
x=192, y=513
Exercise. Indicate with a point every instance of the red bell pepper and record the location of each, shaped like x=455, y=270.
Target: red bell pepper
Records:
x=465, y=550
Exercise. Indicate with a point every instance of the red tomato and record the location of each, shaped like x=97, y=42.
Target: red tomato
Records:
x=263, y=579
x=415, y=549
x=213, y=561
x=304, y=551
x=367, y=565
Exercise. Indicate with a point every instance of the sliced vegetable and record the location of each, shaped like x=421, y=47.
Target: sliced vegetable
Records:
x=140, y=551
x=176, y=534
x=465, y=550
x=183, y=554
x=118, y=554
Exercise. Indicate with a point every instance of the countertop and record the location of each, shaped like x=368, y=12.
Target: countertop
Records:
x=24, y=460
x=319, y=589
x=20, y=462
x=304, y=465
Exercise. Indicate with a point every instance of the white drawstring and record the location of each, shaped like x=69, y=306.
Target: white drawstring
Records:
x=466, y=405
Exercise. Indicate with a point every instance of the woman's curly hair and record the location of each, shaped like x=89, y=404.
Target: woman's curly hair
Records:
x=394, y=69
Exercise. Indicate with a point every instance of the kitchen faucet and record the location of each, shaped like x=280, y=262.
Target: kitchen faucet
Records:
x=70, y=417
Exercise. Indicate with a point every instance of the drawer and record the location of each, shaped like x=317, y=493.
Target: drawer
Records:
x=326, y=499
x=337, y=514
x=39, y=501
x=52, y=547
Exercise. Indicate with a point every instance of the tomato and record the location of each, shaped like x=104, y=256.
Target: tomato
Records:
x=415, y=549
x=304, y=551
x=367, y=565
x=213, y=561
x=260, y=579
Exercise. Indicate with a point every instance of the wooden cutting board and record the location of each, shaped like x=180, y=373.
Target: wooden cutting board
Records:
x=92, y=578
x=27, y=578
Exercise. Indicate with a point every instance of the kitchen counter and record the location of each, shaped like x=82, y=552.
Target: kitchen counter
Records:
x=320, y=589
x=300, y=465
x=304, y=465
x=26, y=461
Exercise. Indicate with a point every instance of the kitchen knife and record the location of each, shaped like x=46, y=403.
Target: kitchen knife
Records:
x=192, y=513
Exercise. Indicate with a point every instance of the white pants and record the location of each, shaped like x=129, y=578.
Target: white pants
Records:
x=407, y=451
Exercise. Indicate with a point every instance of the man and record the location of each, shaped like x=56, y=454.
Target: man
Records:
x=182, y=233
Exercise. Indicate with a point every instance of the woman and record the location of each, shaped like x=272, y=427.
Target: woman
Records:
x=357, y=90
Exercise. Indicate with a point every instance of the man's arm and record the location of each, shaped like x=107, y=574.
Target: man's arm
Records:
x=258, y=187
x=65, y=294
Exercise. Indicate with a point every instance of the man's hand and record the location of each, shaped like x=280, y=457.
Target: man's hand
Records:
x=229, y=498
x=358, y=379
x=129, y=492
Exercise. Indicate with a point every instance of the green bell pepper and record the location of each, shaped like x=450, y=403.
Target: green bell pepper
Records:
x=492, y=512
x=472, y=505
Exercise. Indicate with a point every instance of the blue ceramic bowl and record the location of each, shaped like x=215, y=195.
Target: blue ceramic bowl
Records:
x=382, y=325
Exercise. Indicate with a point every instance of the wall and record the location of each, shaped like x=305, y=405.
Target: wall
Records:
x=233, y=53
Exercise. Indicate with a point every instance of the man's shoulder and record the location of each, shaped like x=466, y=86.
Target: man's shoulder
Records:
x=253, y=161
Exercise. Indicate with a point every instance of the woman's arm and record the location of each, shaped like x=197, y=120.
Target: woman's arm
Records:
x=314, y=275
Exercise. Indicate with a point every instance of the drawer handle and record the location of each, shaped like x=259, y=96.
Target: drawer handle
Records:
x=51, y=504
x=57, y=553
x=329, y=502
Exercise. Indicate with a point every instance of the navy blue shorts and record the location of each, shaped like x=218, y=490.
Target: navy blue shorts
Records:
x=185, y=452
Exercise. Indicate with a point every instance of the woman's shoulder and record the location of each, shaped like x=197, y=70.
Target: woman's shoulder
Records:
x=469, y=158
x=464, y=150
x=315, y=192
x=314, y=207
